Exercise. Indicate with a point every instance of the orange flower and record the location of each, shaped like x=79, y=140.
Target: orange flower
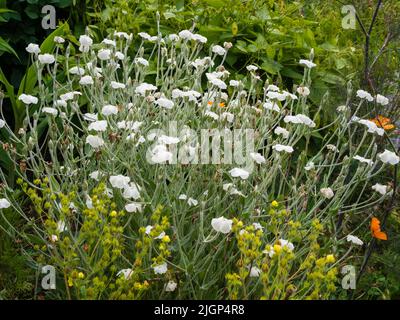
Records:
x=376, y=229
x=221, y=104
x=383, y=122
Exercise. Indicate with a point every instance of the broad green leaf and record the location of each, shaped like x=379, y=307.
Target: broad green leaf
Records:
x=290, y=73
x=271, y=66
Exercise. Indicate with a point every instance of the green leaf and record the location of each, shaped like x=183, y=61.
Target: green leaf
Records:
x=216, y=3
x=180, y=4
x=271, y=66
x=290, y=73
x=32, y=11
x=5, y=47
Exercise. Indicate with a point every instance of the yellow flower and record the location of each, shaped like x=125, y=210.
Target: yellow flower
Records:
x=277, y=248
x=330, y=258
x=166, y=239
x=274, y=204
x=81, y=275
x=113, y=213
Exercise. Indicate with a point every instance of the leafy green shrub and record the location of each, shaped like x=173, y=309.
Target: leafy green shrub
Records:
x=119, y=218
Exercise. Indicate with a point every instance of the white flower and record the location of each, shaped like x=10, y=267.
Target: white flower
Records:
x=53, y=238
x=2, y=123
x=127, y=273
x=95, y=175
x=281, y=147
x=303, y=91
x=170, y=286
x=255, y=272
x=119, y=55
x=33, y=48
x=185, y=35
x=168, y=140
x=4, y=203
x=192, y=202
x=389, y=157
x=382, y=189
x=61, y=103
x=222, y=225
x=46, y=58
x=28, y=99
x=108, y=110
x=234, y=83
x=327, y=193
x=52, y=111
x=61, y=226
x=94, y=141
x=341, y=108
x=85, y=43
x=104, y=54
x=272, y=87
x=109, y=42
x=364, y=95
x=165, y=103
x=133, y=207
x=173, y=37
x=182, y=197
x=99, y=126
x=131, y=191
x=238, y=172
x=286, y=244
x=307, y=63
x=257, y=157
x=354, y=240
x=144, y=35
x=90, y=117
x=161, y=269
x=300, y=119
x=251, y=68
x=281, y=131
x=160, y=154
x=271, y=106
x=59, y=40
x=332, y=148
x=77, y=70
x=218, y=50
x=117, y=85
x=363, y=160
x=211, y=114
x=199, y=63
x=372, y=127
x=382, y=100
x=70, y=95
x=143, y=87
x=119, y=181
x=309, y=166
x=142, y=61
x=148, y=230
x=86, y=80
x=120, y=34
x=218, y=83
x=257, y=226
x=199, y=38
x=228, y=116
